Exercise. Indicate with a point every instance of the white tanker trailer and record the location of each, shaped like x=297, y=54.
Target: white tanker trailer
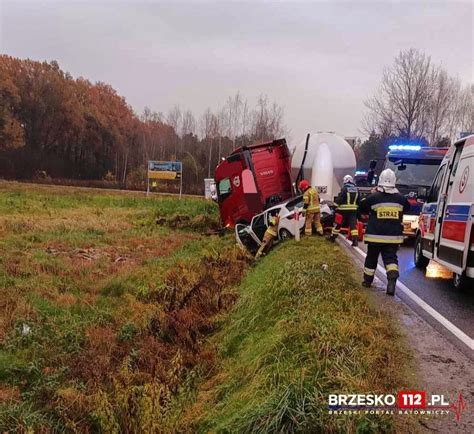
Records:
x=323, y=159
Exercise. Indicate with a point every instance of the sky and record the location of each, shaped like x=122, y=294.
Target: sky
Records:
x=319, y=60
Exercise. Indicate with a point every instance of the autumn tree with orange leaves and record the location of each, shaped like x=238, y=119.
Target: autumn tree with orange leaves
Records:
x=77, y=130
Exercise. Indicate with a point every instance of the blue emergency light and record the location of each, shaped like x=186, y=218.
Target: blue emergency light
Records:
x=404, y=147
x=361, y=172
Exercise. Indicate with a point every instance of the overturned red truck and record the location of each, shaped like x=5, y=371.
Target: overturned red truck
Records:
x=252, y=179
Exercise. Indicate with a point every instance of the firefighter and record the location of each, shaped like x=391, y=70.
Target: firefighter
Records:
x=347, y=202
x=268, y=237
x=384, y=231
x=311, y=207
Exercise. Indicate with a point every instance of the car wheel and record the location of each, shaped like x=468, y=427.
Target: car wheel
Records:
x=421, y=261
x=461, y=281
x=285, y=234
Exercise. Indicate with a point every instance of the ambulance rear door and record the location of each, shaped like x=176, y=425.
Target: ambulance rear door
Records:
x=429, y=213
x=452, y=216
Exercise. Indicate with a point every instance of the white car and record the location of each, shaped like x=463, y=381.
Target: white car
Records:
x=251, y=236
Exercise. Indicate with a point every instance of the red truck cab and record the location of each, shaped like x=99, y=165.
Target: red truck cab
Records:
x=251, y=179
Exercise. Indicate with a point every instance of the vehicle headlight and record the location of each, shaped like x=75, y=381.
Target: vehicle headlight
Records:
x=410, y=221
x=410, y=218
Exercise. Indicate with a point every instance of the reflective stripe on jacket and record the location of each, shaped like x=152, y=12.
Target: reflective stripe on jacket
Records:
x=271, y=231
x=272, y=226
x=311, y=199
x=348, y=198
x=385, y=217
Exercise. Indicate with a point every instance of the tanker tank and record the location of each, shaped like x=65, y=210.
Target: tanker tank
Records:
x=328, y=158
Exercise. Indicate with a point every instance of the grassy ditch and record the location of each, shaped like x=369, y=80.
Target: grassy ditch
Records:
x=103, y=313
x=302, y=328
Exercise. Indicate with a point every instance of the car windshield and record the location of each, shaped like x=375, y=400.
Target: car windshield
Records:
x=416, y=173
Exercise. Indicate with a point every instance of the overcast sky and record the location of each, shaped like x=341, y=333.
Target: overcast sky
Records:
x=319, y=60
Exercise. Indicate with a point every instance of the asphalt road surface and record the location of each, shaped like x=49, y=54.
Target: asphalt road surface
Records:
x=436, y=289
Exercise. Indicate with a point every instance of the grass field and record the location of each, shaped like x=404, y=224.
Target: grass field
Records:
x=303, y=328
x=110, y=322
x=102, y=311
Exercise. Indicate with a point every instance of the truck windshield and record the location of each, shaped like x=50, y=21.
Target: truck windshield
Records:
x=416, y=173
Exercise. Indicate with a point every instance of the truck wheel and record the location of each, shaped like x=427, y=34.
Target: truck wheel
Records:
x=285, y=234
x=461, y=281
x=421, y=261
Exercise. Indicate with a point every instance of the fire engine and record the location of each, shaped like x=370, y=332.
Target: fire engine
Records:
x=445, y=227
x=415, y=167
x=251, y=179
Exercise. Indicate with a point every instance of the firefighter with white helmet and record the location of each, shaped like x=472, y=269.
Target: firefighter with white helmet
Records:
x=311, y=207
x=347, y=202
x=384, y=231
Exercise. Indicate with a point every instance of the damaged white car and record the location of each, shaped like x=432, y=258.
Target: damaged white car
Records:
x=250, y=237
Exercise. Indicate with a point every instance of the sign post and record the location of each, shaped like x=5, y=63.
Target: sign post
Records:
x=166, y=170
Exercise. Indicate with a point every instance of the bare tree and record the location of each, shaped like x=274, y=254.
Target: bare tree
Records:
x=174, y=119
x=188, y=124
x=207, y=121
x=245, y=119
x=221, y=122
x=442, y=102
x=401, y=104
x=267, y=120
x=459, y=115
x=466, y=109
x=234, y=116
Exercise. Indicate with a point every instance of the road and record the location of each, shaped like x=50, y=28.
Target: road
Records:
x=435, y=288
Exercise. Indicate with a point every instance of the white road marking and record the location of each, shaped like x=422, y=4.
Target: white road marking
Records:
x=463, y=337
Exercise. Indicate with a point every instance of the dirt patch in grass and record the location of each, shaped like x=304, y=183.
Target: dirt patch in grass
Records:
x=9, y=394
x=202, y=223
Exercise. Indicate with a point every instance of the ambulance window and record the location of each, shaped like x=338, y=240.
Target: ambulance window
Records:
x=224, y=188
x=435, y=188
x=456, y=158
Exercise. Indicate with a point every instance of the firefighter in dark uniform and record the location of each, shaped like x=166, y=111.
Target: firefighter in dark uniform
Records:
x=384, y=231
x=347, y=202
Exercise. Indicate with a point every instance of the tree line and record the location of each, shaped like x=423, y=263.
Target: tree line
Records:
x=53, y=125
x=416, y=101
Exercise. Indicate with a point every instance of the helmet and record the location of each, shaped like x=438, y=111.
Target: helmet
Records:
x=387, y=179
x=348, y=178
x=274, y=221
x=303, y=185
